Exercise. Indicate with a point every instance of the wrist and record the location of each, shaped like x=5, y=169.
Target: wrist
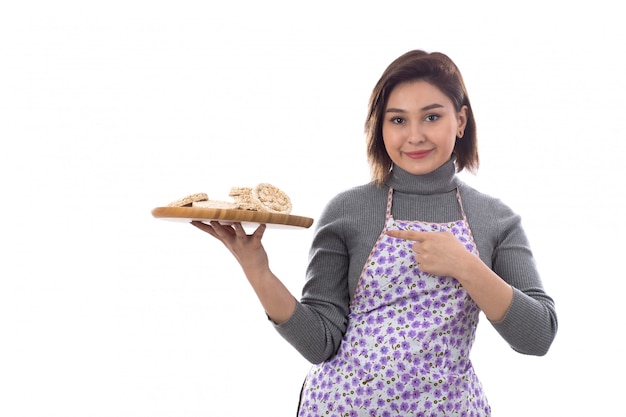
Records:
x=470, y=269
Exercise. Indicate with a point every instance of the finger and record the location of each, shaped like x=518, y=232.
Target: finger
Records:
x=416, y=248
x=408, y=234
x=204, y=227
x=223, y=230
x=258, y=233
x=240, y=232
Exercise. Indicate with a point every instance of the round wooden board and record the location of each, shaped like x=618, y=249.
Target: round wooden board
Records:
x=188, y=214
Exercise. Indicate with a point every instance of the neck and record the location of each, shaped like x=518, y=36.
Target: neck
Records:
x=441, y=180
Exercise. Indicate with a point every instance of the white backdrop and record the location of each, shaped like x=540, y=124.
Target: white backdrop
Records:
x=109, y=109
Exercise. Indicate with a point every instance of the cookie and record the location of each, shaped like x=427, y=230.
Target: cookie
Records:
x=243, y=198
x=215, y=204
x=189, y=200
x=271, y=198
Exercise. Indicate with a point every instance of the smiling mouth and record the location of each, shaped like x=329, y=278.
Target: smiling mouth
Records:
x=418, y=154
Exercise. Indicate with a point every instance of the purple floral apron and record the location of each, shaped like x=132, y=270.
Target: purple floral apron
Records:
x=406, y=348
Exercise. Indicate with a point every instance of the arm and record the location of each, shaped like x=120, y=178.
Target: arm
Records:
x=320, y=318
x=510, y=292
x=314, y=325
x=530, y=324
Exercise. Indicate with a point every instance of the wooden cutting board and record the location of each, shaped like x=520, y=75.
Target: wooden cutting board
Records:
x=188, y=214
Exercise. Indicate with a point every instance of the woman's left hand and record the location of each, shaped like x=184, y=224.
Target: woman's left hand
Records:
x=437, y=253
x=441, y=253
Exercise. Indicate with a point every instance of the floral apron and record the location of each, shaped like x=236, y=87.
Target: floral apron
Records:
x=406, y=348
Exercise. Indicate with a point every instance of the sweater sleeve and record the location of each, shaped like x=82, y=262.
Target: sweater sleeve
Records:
x=321, y=316
x=530, y=324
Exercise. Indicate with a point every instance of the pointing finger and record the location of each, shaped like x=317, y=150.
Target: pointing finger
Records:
x=408, y=234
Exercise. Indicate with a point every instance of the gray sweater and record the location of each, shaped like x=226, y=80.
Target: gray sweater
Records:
x=352, y=221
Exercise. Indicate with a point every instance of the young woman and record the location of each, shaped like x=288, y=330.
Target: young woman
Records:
x=401, y=267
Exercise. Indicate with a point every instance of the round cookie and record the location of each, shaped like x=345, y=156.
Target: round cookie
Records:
x=271, y=198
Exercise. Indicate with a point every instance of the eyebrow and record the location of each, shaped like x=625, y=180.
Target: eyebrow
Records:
x=426, y=108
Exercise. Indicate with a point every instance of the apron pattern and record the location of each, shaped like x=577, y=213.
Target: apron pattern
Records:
x=407, y=345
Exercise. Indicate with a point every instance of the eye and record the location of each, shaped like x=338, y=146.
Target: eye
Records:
x=432, y=117
x=397, y=120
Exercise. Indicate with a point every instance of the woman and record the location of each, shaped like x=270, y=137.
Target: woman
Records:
x=401, y=267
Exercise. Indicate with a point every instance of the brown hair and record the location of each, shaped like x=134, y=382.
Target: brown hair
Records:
x=438, y=70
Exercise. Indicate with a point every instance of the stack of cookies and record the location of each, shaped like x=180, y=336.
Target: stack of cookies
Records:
x=264, y=197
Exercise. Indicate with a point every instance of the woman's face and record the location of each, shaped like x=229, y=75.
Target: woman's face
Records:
x=420, y=127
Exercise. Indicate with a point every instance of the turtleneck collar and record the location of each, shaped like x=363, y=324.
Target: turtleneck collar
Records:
x=441, y=180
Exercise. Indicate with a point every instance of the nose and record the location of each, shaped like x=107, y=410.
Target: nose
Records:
x=416, y=135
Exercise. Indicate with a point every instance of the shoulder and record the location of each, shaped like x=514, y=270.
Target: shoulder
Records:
x=354, y=206
x=486, y=203
x=487, y=212
x=356, y=197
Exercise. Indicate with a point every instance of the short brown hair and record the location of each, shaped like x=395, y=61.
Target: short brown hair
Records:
x=436, y=69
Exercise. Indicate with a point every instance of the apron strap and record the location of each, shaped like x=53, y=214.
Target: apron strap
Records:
x=389, y=200
x=458, y=197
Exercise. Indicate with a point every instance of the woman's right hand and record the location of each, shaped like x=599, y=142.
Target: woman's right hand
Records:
x=247, y=249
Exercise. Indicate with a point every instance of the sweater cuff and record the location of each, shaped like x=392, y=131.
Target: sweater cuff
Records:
x=291, y=322
x=523, y=331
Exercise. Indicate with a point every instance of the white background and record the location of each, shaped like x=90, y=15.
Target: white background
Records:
x=109, y=109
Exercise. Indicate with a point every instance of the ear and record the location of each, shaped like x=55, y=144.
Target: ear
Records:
x=461, y=118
